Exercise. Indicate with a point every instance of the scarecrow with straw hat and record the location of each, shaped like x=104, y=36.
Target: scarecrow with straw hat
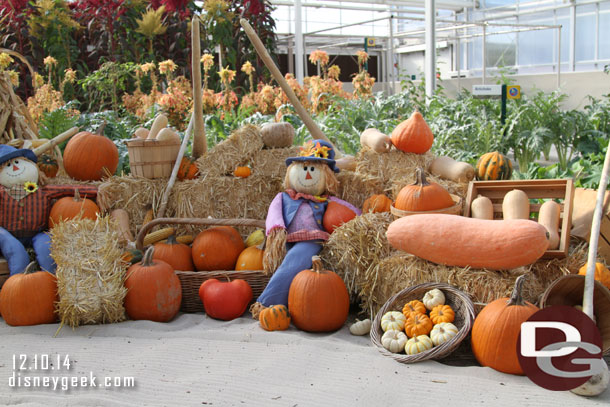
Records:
x=25, y=206
x=295, y=232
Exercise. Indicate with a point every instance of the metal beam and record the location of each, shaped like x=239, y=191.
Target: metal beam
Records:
x=430, y=55
x=299, y=54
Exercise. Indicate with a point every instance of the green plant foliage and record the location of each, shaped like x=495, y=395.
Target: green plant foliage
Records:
x=103, y=87
x=56, y=122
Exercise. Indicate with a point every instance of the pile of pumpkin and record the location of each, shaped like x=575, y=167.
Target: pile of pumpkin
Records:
x=420, y=326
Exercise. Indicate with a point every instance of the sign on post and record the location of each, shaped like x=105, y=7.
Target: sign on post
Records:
x=513, y=92
x=487, y=90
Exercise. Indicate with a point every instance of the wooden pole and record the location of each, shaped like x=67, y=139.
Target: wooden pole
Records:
x=55, y=141
x=587, y=303
x=313, y=128
x=200, y=144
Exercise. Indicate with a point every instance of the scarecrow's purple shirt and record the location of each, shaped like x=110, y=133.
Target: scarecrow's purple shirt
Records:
x=303, y=226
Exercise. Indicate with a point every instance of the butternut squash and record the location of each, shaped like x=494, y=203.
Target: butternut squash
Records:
x=516, y=205
x=376, y=140
x=122, y=219
x=548, y=216
x=461, y=241
x=168, y=134
x=159, y=124
x=141, y=132
x=448, y=168
x=347, y=163
x=482, y=208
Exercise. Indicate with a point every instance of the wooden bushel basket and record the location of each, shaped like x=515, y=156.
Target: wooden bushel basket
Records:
x=192, y=280
x=152, y=158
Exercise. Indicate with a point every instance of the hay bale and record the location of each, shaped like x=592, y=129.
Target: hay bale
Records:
x=237, y=150
x=373, y=271
x=90, y=273
x=391, y=165
x=272, y=162
x=355, y=189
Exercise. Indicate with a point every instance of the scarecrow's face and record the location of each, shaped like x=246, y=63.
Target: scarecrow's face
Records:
x=307, y=177
x=18, y=171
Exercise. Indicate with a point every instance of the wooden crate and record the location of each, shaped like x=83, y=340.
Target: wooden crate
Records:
x=603, y=246
x=4, y=272
x=557, y=189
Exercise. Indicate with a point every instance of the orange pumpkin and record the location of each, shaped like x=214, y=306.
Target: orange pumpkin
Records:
x=601, y=273
x=48, y=165
x=242, y=172
x=188, y=168
x=413, y=307
x=413, y=135
x=29, y=298
x=318, y=300
x=217, y=248
x=496, y=329
x=423, y=195
x=90, y=156
x=376, y=204
x=250, y=259
x=274, y=318
x=177, y=255
x=154, y=291
x=336, y=215
x=418, y=324
x=442, y=313
x=73, y=208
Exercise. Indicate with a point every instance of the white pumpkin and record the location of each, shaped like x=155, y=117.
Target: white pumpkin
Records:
x=393, y=320
x=18, y=171
x=307, y=177
x=360, y=327
x=433, y=298
x=442, y=332
x=418, y=344
x=394, y=341
x=596, y=385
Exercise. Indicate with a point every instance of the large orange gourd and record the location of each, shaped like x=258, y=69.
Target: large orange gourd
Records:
x=413, y=135
x=177, y=255
x=336, y=215
x=479, y=243
x=90, y=156
x=496, y=330
x=73, y=208
x=217, y=248
x=423, y=195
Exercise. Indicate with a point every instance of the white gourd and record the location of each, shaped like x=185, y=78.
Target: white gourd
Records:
x=418, y=344
x=360, y=327
x=433, y=298
x=443, y=332
x=596, y=385
x=159, y=124
x=393, y=320
x=394, y=341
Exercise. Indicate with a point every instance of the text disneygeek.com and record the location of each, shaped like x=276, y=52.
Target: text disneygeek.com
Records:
x=42, y=371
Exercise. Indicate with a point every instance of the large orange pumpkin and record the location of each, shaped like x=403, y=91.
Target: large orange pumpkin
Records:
x=376, y=204
x=177, y=255
x=250, y=259
x=336, y=215
x=318, y=300
x=188, y=168
x=413, y=135
x=90, y=156
x=423, y=195
x=154, y=290
x=217, y=248
x=29, y=298
x=496, y=330
x=73, y=208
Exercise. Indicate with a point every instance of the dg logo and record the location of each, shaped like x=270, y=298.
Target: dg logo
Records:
x=560, y=348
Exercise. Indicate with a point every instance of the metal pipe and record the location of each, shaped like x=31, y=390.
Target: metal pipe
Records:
x=483, y=51
x=391, y=71
x=430, y=54
x=559, y=57
x=299, y=42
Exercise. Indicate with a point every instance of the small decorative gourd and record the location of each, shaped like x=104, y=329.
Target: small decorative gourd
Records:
x=394, y=340
x=493, y=166
x=418, y=324
x=602, y=274
x=516, y=205
x=377, y=204
x=242, y=172
x=443, y=332
x=418, y=344
x=275, y=318
x=442, y=313
x=251, y=258
x=393, y=320
x=360, y=327
x=188, y=168
x=433, y=298
x=423, y=195
x=482, y=208
x=413, y=307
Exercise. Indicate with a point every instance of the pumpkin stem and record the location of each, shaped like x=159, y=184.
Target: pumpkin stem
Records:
x=316, y=262
x=30, y=268
x=147, y=260
x=420, y=178
x=100, y=130
x=76, y=195
x=516, y=297
x=172, y=240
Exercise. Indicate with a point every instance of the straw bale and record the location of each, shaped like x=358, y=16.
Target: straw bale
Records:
x=237, y=150
x=391, y=165
x=355, y=189
x=272, y=162
x=90, y=272
x=373, y=271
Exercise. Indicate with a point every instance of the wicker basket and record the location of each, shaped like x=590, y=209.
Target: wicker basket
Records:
x=456, y=209
x=464, y=316
x=152, y=158
x=192, y=280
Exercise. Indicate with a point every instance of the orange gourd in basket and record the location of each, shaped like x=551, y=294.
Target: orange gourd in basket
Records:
x=423, y=195
x=418, y=324
x=177, y=255
x=250, y=259
x=217, y=248
x=442, y=313
x=413, y=307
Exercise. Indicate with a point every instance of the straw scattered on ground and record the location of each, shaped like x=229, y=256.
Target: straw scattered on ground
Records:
x=90, y=273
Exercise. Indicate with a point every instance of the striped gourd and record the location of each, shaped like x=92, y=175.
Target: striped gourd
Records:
x=275, y=318
x=493, y=166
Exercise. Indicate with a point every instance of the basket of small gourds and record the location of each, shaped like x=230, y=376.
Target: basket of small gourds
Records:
x=426, y=321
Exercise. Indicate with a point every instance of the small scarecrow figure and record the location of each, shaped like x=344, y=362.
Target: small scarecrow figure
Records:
x=294, y=221
x=25, y=206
